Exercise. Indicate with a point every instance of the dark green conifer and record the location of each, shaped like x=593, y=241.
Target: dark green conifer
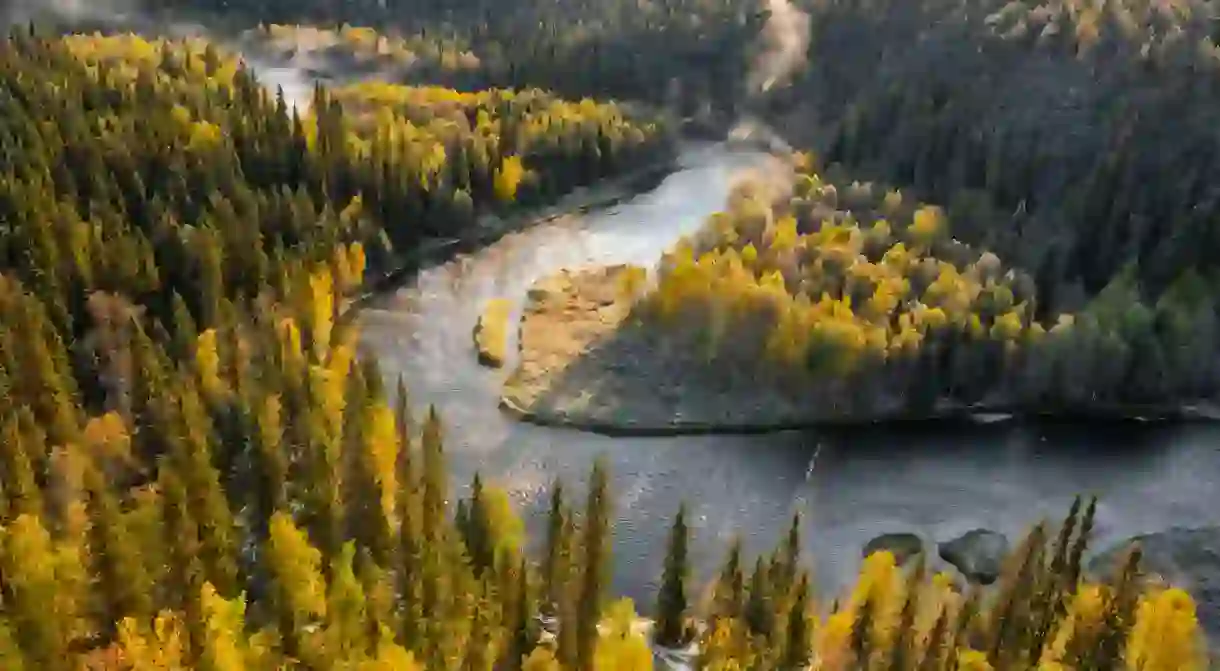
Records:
x=596, y=565
x=798, y=646
x=729, y=597
x=123, y=584
x=671, y=602
x=760, y=611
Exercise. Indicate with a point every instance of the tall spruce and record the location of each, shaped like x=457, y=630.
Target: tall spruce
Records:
x=798, y=645
x=729, y=597
x=595, y=549
x=671, y=602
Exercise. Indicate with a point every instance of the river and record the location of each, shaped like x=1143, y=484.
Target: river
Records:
x=937, y=481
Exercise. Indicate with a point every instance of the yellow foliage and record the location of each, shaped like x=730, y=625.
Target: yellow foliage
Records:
x=106, y=437
x=541, y=659
x=322, y=303
x=1079, y=630
x=1007, y=327
x=161, y=649
x=382, y=445
x=508, y=177
x=1166, y=634
x=207, y=363
x=204, y=135
x=291, y=351
x=224, y=637
x=296, y=566
x=972, y=660
x=491, y=333
x=834, y=640
x=620, y=647
x=356, y=262
x=929, y=223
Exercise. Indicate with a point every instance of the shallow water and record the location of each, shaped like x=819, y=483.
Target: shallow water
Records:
x=937, y=482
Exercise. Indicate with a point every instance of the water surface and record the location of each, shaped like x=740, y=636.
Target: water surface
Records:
x=937, y=482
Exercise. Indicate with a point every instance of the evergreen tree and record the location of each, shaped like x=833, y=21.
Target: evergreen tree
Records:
x=729, y=598
x=595, y=548
x=124, y=586
x=798, y=647
x=671, y=602
x=555, y=562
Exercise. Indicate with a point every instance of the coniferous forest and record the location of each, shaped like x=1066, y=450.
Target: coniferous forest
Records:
x=198, y=471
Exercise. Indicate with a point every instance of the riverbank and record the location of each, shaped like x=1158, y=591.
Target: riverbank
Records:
x=492, y=227
x=585, y=361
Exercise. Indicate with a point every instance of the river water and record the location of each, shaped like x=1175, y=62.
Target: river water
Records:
x=937, y=482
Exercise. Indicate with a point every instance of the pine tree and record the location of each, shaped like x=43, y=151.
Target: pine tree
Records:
x=224, y=647
x=29, y=566
x=11, y=657
x=671, y=602
x=729, y=598
x=520, y=619
x=123, y=584
x=555, y=563
x=798, y=646
x=760, y=611
x=902, y=652
x=299, y=593
x=346, y=614
x=435, y=489
x=596, y=564
x=477, y=533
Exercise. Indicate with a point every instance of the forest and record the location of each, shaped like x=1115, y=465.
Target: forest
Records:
x=1038, y=128
x=198, y=470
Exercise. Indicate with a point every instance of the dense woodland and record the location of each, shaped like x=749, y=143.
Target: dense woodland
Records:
x=198, y=472
x=1038, y=127
x=865, y=295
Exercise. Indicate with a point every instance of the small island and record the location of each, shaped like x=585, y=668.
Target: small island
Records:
x=491, y=333
x=814, y=301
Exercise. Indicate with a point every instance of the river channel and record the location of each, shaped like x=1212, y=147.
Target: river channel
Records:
x=936, y=481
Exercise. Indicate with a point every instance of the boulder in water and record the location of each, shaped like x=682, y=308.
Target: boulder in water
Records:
x=1186, y=558
x=979, y=554
x=903, y=546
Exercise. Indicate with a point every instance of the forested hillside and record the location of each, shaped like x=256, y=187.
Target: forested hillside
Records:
x=197, y=471
x=1070, y=139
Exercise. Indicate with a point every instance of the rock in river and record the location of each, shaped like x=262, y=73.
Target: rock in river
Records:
x=978, y=554
x=903, y=546
x=1186, y=558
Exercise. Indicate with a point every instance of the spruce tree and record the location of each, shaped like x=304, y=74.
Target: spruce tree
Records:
x=596, y=550
x=125, y=589
x=521, y=619
x=671, y=602
x=730, y=592
x=760, y=611
x=435, y=489
x=798, y=646
x=554, y=563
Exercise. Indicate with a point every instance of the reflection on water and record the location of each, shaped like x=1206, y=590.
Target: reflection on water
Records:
x=935, y=481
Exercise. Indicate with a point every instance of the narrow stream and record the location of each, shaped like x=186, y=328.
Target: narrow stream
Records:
x=936, y=482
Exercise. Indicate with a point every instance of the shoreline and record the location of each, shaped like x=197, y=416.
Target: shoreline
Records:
x=585, y=364
x=967, y=415
x=491, y=228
